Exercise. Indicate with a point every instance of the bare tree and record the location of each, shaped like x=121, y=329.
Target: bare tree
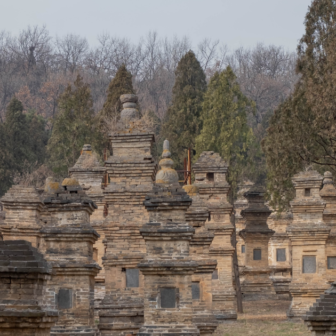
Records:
x=71, y=52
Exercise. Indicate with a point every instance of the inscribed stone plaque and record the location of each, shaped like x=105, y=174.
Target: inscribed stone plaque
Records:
x=257, y=254
x=168, y=297
x=64, y=298
x=195, y=290
x=132, y=277
x=215, y=275
x=331, y=262
x=281, y=254
x=243, y=249
x=309, y=264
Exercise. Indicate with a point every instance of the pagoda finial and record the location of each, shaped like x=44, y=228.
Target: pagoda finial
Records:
x=130, y=110
x=167, y=174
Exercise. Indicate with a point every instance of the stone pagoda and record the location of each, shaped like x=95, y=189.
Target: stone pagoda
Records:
x=131, y=169
x=23, y=276
x=308, y=234
x=280, y=253
x=257, y=283
x=89, y=172
x=168, y=267
x=67, y=244
x=196, y=216
x=321, y=317
x=23, y=207
x=210, y=177
x=328, y=194
x=240, y=204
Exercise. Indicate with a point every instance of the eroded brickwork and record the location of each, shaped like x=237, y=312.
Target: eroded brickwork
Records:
x=131, y=169
x=321, y=317
x=23, y=207
x=308, y=234
x=88, y=171
x=239, y=205
x=67, y=243
x=280, y=253
x=210, y=177
x=23, y=276
x=168, y=267
x=256, y=234
x=196, y=216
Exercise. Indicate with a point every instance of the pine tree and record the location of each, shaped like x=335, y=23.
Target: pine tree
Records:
x=15, y=150
x=119, y=85
x=38, y=137
x=73, y=126
x=302, y=129
x=225, y=129
x=183, y=123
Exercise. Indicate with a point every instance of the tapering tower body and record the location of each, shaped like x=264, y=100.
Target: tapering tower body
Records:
x=196, y=217
x=210, y=177
x=88, y=171
x=67, y=243
x=321, y=317
x=131, y=170
x=240, y=204
x=23, y=207
x=328, y=194
x=308, y=235
x=257, y=283
x=168, y=267
x=280, y=253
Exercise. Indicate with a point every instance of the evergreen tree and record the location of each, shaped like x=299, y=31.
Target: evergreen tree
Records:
x=73, y=126
x=119, y=85
x=38, y=137
x=302, y=129
x=225, y=128
x=15, y=150
x=183, y=123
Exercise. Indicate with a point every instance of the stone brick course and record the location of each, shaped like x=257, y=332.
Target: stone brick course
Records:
x=168, y=267
x=89, y=172
x=210, y=177
x=67, y=244
x=308, y=234
x=321, y=317
x=23, y=276
x=131, y=169
x=256, y=234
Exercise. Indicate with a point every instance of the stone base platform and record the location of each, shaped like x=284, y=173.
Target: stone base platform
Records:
x=167, y=330
x=79, y=331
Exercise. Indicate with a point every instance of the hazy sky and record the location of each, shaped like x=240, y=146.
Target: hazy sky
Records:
x=234, y=22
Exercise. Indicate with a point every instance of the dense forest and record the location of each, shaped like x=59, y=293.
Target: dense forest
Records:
x=55, y=92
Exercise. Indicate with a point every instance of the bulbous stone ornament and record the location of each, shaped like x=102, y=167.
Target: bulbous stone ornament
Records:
x=130, y=110
x=167, y=174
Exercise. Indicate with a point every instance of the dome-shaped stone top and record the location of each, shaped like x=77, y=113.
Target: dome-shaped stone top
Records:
x=130, y=110
x=51, y=186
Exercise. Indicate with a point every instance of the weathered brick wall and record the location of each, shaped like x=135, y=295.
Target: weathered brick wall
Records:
x=23, y=276
x=168, y=266
x=22, y=206
x=256, y=234
x=210, y=177
x=308, y=235
x=281, y=266
x=131, y=169
x=67, y=242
